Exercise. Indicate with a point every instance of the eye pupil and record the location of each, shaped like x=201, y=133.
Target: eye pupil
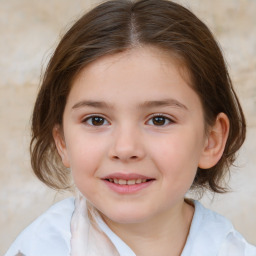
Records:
x=159, y=120
x=97, y=121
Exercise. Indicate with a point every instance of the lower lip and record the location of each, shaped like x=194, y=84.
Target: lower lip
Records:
x=127, y=189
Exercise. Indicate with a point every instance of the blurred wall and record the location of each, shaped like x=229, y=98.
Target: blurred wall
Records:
x=29, y=32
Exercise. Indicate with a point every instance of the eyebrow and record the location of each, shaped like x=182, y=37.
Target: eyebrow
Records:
x=163, y=103
x=146, y=104
x=91, y=103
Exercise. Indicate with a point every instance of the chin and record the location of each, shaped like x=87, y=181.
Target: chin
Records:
x=127, y=217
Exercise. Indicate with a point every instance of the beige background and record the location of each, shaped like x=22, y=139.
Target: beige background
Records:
x=29, y=32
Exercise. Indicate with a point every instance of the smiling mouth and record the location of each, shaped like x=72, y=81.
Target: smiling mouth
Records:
x=128, y=182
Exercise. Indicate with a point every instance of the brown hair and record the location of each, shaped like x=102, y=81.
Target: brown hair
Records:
x=116, y=26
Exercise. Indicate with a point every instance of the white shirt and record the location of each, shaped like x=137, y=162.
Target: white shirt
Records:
x=49, y=235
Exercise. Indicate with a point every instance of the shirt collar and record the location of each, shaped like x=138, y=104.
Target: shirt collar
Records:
x=122, y=248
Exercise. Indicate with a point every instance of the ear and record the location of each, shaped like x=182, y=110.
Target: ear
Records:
x=59, y=139
x=215, y=142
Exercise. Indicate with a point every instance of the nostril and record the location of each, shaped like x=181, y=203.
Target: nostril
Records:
x=125, y=158
x=126, y=152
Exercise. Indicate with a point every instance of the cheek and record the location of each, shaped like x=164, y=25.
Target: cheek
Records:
x=85, y=161
x=85, y=156
x=177, y=157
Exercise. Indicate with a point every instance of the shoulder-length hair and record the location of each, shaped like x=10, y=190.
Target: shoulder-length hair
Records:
x=116, y=26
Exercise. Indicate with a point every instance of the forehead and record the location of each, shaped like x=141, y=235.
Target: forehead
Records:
x=146, y=58
x=143, y=71
x=129, y=80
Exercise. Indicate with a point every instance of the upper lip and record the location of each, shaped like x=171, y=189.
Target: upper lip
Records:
x=126, y=176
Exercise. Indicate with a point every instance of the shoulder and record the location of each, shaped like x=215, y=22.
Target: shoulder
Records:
x=236, y=245
x=213, y=234
x=49, y=234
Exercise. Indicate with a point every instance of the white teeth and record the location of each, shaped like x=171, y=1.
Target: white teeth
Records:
x=131, y=182
x=127, y=182
x=122, y=182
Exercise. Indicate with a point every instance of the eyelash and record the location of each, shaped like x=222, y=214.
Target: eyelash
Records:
x=165, y=119
x=86, y=120
x=168, y=119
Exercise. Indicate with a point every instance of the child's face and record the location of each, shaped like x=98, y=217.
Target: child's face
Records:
x=131, y=117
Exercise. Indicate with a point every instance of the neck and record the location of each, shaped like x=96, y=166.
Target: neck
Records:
x=167, y=232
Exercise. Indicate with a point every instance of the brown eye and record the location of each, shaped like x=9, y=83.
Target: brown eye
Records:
x=159, y=121
x=96, y=121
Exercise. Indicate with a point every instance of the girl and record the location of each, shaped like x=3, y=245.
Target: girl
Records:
x=137, y=106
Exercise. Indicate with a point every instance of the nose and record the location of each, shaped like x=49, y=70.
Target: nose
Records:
x=127, y=145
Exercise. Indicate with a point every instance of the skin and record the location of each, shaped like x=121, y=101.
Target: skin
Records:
x=128, y=139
